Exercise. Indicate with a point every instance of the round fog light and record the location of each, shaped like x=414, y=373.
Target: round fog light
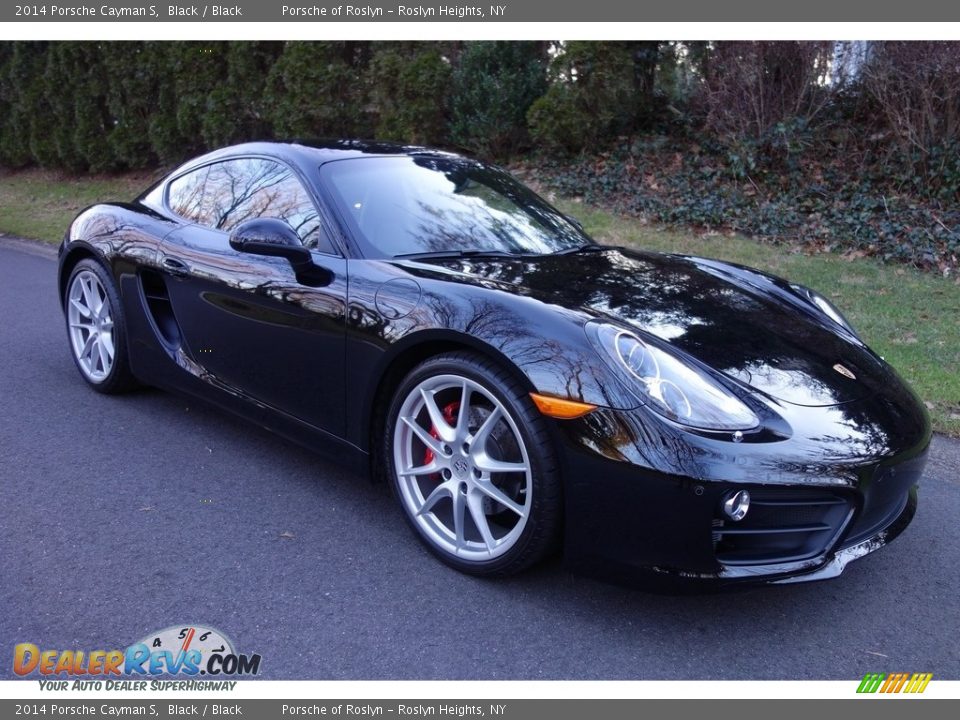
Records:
x=736, y=505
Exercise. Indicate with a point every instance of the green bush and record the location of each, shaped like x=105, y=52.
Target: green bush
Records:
x=591, y=98
x=198, y=68
x=133, y=79
x=316, y=90
x=92, y=119
x=64, y=67
x=236, y=110
x=408, y=89
x=164, y=131
x=494, y=85
x=167, y=141
x=26, y=137
x=780, y=140
x=7, y=98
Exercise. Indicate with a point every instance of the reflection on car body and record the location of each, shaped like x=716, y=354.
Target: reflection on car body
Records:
x=423, y=315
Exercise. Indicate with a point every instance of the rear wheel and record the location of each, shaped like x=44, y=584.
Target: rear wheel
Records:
x=96, y=328
x=471, y=462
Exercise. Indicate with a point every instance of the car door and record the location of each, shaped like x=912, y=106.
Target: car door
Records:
x=244, y=318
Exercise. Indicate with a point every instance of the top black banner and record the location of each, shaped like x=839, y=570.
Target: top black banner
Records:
x=537, y=11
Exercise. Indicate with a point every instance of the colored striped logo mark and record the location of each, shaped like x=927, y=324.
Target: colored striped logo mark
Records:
x=894, y=682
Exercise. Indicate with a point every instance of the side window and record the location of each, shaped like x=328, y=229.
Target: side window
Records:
x=225, y=194
x=186, y=196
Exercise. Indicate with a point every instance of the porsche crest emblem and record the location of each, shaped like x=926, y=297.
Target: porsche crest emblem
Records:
x=845, y=371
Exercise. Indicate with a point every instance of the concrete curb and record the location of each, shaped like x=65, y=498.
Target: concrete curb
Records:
x=31, y=247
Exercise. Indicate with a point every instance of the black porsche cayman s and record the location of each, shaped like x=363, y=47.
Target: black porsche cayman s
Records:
x=428, y=317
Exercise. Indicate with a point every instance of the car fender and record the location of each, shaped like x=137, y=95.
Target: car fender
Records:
x=545, y=346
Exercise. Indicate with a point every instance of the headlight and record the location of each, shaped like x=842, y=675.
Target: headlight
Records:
x=826, y=307
x=668, y=385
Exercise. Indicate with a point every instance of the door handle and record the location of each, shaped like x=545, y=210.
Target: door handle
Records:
x=175, y=267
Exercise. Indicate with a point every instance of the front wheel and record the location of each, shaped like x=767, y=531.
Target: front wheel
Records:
x=471, y=462
x=96, y=328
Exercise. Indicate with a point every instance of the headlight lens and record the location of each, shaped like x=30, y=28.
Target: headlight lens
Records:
x=669, y=386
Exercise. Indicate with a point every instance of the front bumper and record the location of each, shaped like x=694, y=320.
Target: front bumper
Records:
x=643, y=503
x=835, y=564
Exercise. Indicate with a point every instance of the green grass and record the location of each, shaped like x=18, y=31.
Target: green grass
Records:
x=40, y=205
x=909, y=317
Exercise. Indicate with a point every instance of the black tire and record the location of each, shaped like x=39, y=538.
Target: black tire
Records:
x=536, y=490
x=116, y=378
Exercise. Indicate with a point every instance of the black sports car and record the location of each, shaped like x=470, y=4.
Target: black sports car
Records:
x=427, y=317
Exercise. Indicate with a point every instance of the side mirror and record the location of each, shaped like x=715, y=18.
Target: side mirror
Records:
x=267, y=236
x=275, y=238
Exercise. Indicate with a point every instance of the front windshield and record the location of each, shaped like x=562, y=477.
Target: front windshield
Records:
x=406, y=205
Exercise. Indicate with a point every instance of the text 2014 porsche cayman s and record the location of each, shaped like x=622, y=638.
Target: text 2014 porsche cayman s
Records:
x=520, y=387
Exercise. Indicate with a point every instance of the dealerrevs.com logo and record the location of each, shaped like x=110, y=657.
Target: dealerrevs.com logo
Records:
x=188, y=650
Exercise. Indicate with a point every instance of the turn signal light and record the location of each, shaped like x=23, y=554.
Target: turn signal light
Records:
x=561, y=409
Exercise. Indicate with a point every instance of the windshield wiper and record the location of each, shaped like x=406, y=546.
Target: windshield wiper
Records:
x=586, y=247
x=429, y=255
x=440, y=254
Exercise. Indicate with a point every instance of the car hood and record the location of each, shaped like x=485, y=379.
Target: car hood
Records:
x=747, y=325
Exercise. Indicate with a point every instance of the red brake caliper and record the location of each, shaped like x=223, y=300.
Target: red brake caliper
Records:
x=450, y=415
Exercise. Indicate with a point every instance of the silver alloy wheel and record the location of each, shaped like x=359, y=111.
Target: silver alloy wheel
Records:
x=467, y=484
x=90, y=321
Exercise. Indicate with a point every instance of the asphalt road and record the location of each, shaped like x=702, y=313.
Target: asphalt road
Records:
x=122, y=516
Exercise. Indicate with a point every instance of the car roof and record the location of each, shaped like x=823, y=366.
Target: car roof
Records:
x=318, y=152
x=305, y=154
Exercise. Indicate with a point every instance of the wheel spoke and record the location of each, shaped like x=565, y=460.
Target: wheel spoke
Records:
x=85, y=289
x=81, y=308
x=87, y=350
x=478, y=442
x=425, y=437
x=475, y=505
x=90, y=295
x=459, y=515
x=102, y=354
x=440, y=424
x=439, y=493
x=95, y=356
x=105, y=355
x=463, y=416
x=491, y=465
x=428, y=469
x=495, y=493
x=98, y=302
